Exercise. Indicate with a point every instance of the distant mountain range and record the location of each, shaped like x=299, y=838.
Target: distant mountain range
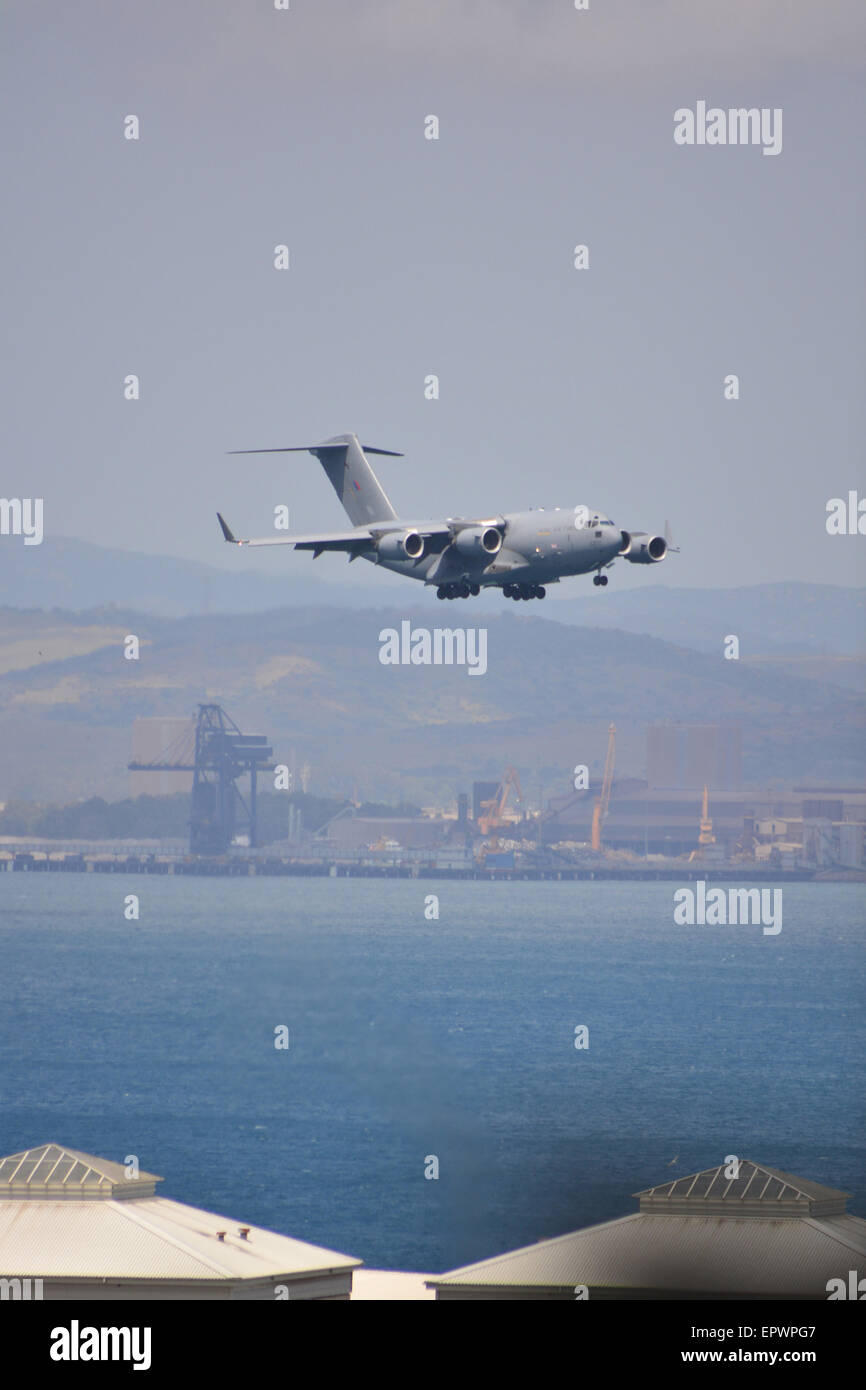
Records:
x=75, y=575
x=775, y=620
x=312, y=680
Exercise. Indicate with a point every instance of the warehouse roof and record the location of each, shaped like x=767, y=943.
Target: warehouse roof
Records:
x=680, y=1241
x=51, y=1227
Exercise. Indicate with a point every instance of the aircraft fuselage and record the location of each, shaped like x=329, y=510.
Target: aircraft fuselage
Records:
x=538, y=547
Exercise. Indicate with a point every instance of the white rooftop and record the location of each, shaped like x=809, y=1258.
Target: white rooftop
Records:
x=390, y=1285
x=64, y=1214
x=765, y=1233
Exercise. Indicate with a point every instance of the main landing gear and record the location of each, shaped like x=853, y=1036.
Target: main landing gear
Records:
x=525, y=591
x=599, y=579
x=462, y=589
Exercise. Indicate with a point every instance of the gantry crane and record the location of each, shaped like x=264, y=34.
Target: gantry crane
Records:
x=599, y=810
x=217, y=754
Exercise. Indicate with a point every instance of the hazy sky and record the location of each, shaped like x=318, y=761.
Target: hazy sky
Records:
x=455, y=257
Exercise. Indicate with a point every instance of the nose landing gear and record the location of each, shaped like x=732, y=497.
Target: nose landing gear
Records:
x=599, y=579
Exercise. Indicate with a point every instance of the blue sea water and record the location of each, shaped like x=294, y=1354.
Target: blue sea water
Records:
x=411, y=1038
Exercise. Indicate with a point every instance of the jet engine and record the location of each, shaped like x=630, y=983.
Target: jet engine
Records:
x=396, y=545
x=478, y=541
x=646, y=550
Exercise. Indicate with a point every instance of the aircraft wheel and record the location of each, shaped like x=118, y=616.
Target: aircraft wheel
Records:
x=507, y=590
x=475, y=590
x=440, y=592
x=542, y=592
x=464, y=590
x=596, y=579
x=602, y=579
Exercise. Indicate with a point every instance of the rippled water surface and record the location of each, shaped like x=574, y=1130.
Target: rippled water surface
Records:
x=410, y=1038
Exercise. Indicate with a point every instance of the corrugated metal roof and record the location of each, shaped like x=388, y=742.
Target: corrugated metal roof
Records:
x=146, y=1238
x=701, y=1254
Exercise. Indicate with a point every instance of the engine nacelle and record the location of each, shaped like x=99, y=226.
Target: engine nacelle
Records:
x=646, y=550
x=397, y=545
x=479, y=542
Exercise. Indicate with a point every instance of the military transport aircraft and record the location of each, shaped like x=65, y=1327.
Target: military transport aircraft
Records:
x=519, y=552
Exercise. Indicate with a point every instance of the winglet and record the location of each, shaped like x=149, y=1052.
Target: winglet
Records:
x=227, y=532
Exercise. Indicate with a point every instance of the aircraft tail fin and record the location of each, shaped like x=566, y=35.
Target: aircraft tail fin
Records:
x=349, y=472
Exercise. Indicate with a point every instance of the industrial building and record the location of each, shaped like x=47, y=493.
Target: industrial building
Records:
x=79, y=1227
x=694, y=756
x=351, y=832
x=801, y=823
x=759, y=1235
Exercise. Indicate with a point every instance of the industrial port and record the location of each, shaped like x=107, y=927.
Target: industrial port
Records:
x=690, y=818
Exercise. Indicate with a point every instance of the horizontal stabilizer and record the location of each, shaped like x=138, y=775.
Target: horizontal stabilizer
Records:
x=317, y=449
x=349, y=472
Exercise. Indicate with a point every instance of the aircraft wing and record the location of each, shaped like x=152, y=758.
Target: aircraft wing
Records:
x=353, y=542
x=357, y=540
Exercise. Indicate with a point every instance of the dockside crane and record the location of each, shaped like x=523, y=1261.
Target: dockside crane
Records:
x=706, y=836
x=493, y=816
x=600, y=809
x=217, y=754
